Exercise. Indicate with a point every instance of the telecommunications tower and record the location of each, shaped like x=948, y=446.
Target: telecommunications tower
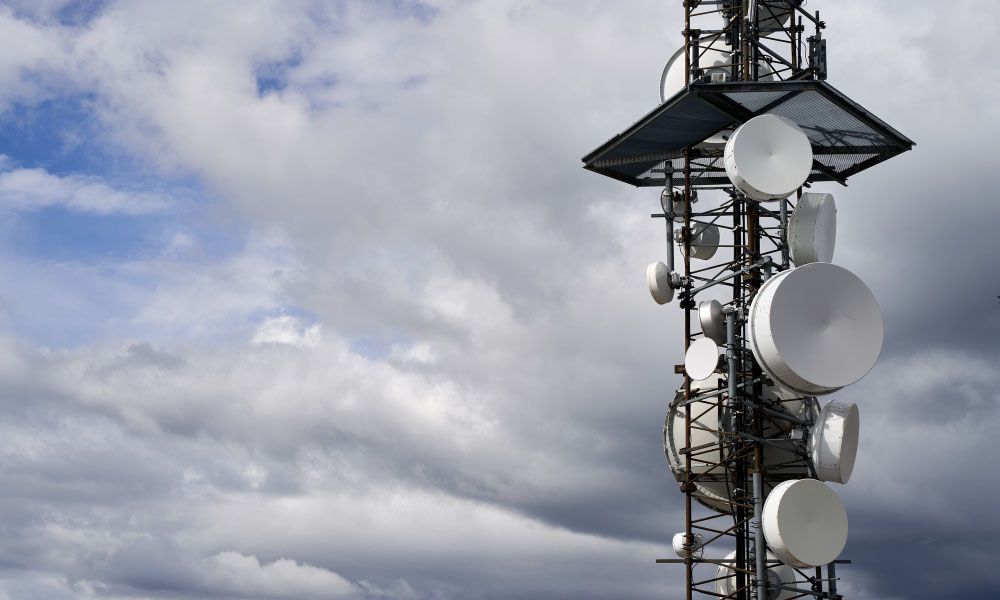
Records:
x=746, y=124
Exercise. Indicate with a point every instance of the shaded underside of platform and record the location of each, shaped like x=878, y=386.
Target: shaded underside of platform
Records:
x=846, y=138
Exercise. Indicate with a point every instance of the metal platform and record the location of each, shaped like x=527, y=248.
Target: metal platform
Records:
x=846, y=138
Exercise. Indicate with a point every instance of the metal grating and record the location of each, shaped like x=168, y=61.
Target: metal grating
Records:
x=846, y=138
x=755, y=101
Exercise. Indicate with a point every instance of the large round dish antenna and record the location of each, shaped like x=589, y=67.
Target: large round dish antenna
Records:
x=777, y=574
x=804, y=523
x=768, y=158
x=812, y=229
x=713, y=321
x=815, y=329
x=658, y=280
x=833, y=443
x=708, y=417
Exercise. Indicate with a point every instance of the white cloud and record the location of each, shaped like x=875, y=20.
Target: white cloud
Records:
x=234, y=573
x=288, y=330
x=203, y=298
x=32, y=189
x=30, y=58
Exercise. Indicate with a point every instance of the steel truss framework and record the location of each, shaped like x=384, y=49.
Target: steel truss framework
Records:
x=785, y=50
x=757, y=248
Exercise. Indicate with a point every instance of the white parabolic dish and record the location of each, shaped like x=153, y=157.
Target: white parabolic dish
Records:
x=768, y=158
x=658, y=280
x=770, y=16
x=715, y=56
x=816, y=328
x=777, y=574
x=707, y=419
x=678, y=545
x=704, y=241
x=804, y=523
x=713, y=321
x=833, y=444
x=701, y=359
x=812, y=229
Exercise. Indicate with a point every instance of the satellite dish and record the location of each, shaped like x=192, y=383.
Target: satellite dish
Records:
x=812, y=229
x=711, y=487
x=707, y=418
x=768, y=158
x=815, y=329
x=715, y=61
x=701, y=359
x=678, y=544
x=704, y=241
x=833, y=443
x=658, y=280
x=804, y=523
x=777, y=574
x=667, y=200
x=774, y=15
x=771, y=15
x=675, y=200
x=713, y=321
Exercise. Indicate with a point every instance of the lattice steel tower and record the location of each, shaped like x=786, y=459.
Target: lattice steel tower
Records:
x=741, y=59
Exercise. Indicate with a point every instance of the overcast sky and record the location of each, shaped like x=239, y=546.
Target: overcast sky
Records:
x=312, y=300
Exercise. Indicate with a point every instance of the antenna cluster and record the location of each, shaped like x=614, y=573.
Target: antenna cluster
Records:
x=746, y=126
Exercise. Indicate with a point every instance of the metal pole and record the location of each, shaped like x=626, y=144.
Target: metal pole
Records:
x=739, y=466
x=758, y=536
x=688, y=484
x=784, y=230
x=667, y=203
x=752, y=36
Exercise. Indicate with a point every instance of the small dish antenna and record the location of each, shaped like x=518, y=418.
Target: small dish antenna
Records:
x=681, y=551
x=815, y=329
x=660, y=282
x=701, y=359
x=772, y=15
x=704, y=241
x=804, y=523
x=768, y=158
x=812, y=229
x=713, y=321
x=833, y=444
x=673, y=201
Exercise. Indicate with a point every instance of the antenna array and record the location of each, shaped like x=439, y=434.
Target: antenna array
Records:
x=746, y=122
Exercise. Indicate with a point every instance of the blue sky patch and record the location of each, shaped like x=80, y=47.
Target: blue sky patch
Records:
x=273, y=77
x=60, y=135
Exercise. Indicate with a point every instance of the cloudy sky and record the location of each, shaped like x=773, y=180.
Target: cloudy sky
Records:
x=313, y=300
